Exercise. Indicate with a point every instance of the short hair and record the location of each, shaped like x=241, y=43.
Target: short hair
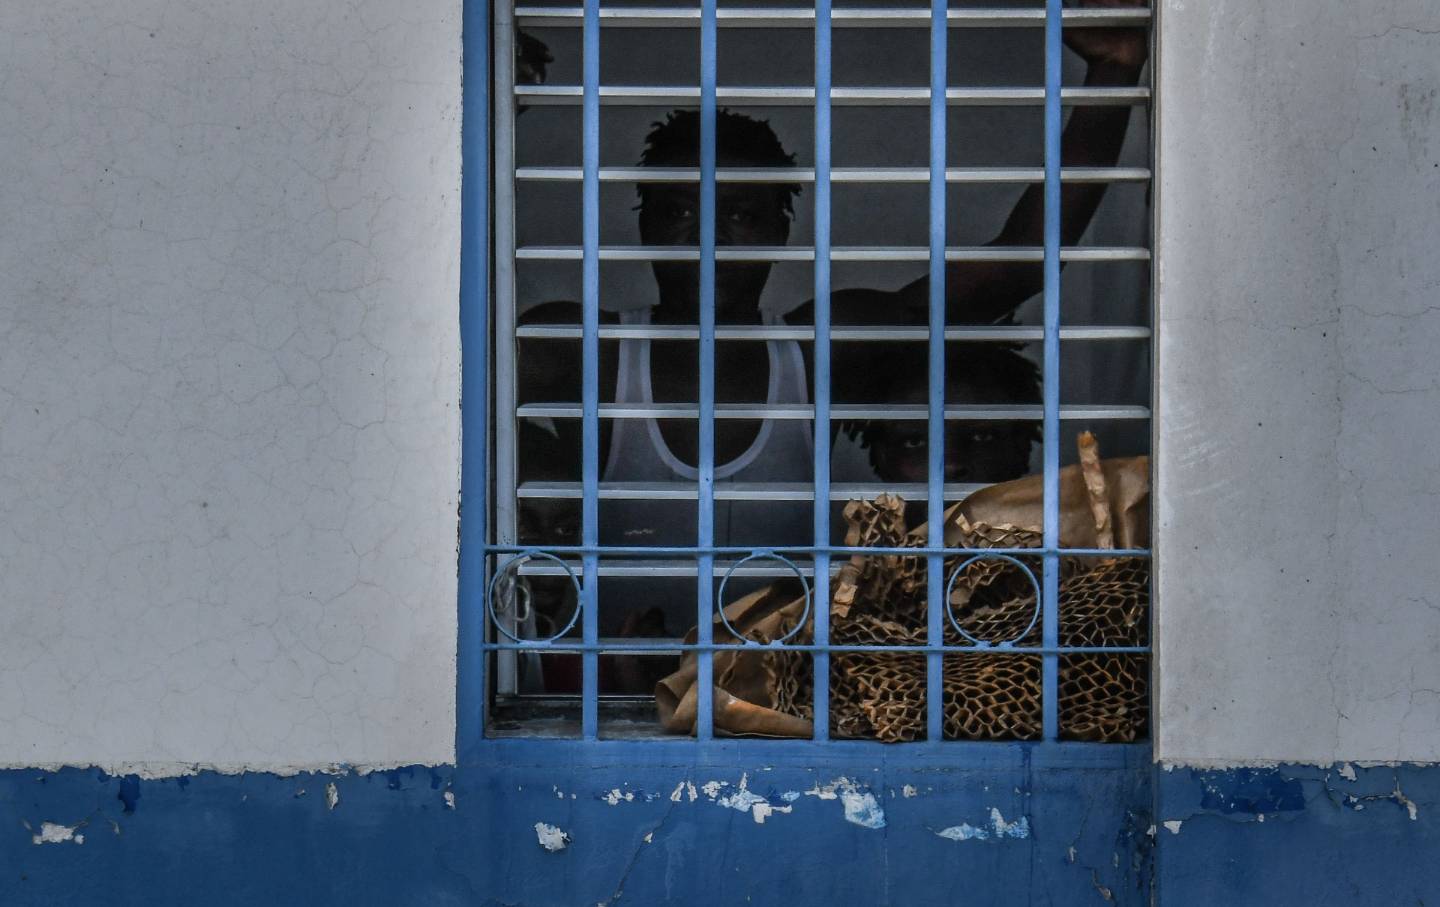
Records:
x=740, y=141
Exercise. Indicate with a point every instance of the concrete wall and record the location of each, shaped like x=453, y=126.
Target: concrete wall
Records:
x=228, y=451
x=1298, y=489
x=228, y=382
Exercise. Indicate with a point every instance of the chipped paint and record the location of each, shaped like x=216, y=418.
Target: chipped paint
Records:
x=997, y=829
x=1173, y=825
x=862, y=809
x=1346, y=771
x=449, y=799
x=55, y=833
x=551, y=838
x=332, y=796
x=615, y=796
x=908, y=791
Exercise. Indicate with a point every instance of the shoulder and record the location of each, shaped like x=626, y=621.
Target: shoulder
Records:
x=561, y=311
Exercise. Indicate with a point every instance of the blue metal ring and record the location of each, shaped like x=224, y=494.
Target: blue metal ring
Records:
x=762, y=556
x=950, y=587
x=514, y=563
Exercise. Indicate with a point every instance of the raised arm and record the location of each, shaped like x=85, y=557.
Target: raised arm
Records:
x=981, y=292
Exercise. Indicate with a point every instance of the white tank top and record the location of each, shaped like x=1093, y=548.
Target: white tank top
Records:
x=783, y=451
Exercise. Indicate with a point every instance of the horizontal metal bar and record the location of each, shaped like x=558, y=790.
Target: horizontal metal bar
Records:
x=800, y=96
x=578, y=646
x=869, y=333
x=800, y=17
x=908, y=413
x=736, y=491
x=682, y=568
x=839, y=253
x=803, y=550
x=837, y=174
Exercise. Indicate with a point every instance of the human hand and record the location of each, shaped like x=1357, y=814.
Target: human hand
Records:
x=1124, y=47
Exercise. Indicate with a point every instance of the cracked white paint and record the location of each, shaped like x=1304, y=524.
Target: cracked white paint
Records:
x=1173, y=826
x=1297, y=485
x=228, y=383
x=332, y=796
x=551, y=838
x=449, y=799
x=55, y=833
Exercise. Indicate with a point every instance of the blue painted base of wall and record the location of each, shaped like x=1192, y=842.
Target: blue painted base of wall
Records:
x=643, y=824
x=1299, y=835
x=729, y=824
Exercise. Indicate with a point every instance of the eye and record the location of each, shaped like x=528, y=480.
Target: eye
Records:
x=679, y=211
x=980, y=437
x=740, y=216
x=913, y=444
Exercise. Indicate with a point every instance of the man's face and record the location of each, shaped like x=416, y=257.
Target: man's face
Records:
x=981, y=451
x=974, y=451
x=746, y=215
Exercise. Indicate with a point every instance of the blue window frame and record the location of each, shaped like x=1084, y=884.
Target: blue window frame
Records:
x=490, y=555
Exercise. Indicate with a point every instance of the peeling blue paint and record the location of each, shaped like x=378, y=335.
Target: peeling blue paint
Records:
x=1248, y=790
x=1298, y=835
x=467, y=835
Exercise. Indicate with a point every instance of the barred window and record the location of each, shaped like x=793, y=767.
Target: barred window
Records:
x=818, y=372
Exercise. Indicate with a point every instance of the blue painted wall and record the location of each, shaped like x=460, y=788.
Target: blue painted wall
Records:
x=1068, y=830
x=1071, y=830
x=1299, y=835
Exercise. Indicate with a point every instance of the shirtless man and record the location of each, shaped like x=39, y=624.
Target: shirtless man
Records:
x=777, y=371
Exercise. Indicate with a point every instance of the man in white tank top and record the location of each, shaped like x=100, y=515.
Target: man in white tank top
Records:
x=777, y=372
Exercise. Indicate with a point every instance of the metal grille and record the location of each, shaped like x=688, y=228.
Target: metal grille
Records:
x=496, y=559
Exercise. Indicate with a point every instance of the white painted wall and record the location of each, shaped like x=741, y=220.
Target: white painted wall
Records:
x=228, y=381
x=1298, y=478
x=228, y=374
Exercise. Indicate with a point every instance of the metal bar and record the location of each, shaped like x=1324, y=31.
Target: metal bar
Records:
x=912, y=413
x=624, y=551
x=667, y=648
x=935, y=475
x=705, y=530
x=844, y=253
x=1050, y=580
x=801, y=17
x=505, y=313
x=471, y=664
x=590, y=366
x=671, y=95
x=738, y=491
x=820, y=711
x=887, y=333
x=960, y=175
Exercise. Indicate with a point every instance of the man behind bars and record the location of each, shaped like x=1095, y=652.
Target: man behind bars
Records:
x=778, y=372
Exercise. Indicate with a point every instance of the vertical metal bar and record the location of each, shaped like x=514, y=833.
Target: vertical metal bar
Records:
x=504, y=306
x=1050, y=585
x=935, y=564
x=705, y=535
x=590, y=364
x=821, y=600
x=474, y=375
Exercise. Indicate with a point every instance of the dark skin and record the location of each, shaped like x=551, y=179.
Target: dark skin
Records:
x=754, y=215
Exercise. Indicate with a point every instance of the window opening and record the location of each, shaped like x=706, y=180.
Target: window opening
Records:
x=777, y=361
